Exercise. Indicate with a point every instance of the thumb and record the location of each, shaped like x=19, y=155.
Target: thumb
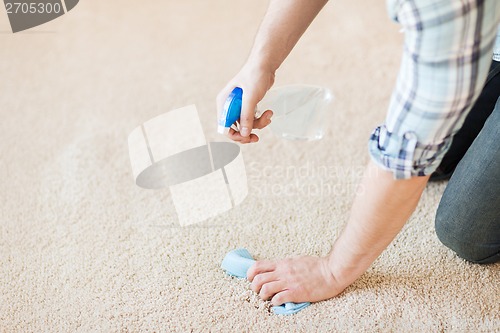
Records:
x=248, y=105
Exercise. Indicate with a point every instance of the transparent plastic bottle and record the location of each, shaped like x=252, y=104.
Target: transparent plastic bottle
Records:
x=299, y=111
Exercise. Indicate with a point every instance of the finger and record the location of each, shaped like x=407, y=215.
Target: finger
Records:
x=261, y=279
x=254, y=138
x=248, y=104
x=282, y=297
x=263, y=120
x=270, y=289
x=236, y=136
x=250, y=139
x=259, y=267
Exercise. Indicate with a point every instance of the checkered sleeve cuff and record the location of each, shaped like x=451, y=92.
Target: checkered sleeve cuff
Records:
x=404, y=155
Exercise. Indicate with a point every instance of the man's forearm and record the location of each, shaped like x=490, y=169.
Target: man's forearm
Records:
x=380, y=210
x=283, y=25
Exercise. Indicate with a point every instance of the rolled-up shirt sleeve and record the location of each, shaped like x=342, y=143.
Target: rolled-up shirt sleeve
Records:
x=447, y=54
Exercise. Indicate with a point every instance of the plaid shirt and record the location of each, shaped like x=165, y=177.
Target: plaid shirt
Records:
x=447, y=54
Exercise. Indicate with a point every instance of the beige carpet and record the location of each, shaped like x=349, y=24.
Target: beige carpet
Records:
x=82, y=249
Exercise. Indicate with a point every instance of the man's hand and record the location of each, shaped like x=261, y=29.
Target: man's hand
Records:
x=255, y=83
x=299, y=279
x=283, y=24
x=378, y=214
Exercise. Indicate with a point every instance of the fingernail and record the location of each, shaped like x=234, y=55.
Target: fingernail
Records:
x=245, y=131
x=269, y=116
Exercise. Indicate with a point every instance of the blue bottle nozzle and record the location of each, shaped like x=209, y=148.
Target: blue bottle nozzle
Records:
x=231, y=111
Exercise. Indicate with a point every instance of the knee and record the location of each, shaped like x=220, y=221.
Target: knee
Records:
x=464, y=243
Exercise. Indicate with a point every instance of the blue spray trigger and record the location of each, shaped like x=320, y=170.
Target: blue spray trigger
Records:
x=231, y=111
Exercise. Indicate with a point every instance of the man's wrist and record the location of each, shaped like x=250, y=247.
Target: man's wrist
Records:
x=263, y=60
x=344, y=268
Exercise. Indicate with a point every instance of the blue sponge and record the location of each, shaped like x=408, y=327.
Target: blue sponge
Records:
x=237, y=263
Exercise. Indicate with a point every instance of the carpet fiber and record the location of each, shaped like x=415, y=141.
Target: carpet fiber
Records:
x=82, y=248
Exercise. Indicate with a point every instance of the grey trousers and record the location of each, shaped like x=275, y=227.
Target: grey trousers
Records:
x=468, y=217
